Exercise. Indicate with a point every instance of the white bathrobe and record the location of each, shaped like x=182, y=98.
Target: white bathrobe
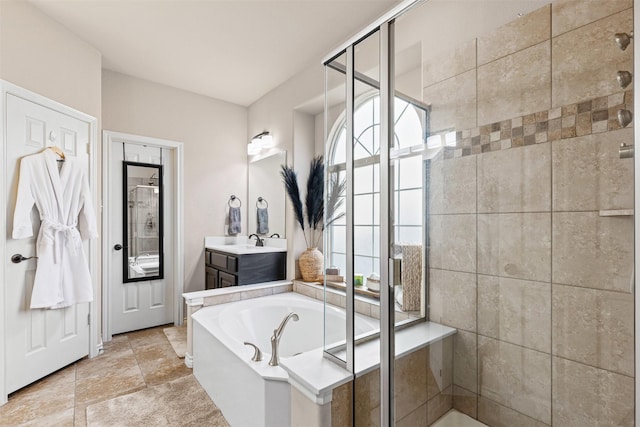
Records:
x=63, y=200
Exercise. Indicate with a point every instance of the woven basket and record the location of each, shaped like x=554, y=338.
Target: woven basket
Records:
x=311, y=262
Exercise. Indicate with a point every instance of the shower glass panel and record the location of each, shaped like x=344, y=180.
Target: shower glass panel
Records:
x=143, y=222
x=335, y=237
x=510, y=206
x=528, y=203
x=366, y=217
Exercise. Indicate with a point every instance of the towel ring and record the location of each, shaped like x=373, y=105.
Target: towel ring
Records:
x=232, y=199
x=262, y=200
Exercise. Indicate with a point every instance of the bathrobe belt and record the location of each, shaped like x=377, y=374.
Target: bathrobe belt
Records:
x=70, y=234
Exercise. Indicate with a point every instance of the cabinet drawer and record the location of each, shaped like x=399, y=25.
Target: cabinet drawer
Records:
x=232, y=263
x=218, y=260
x=211, y=281
x=226, y=279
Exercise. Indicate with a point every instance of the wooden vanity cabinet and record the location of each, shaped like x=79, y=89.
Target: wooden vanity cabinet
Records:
x=223, y=269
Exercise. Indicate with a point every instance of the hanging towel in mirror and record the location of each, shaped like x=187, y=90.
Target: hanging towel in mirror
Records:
x=263, y=221
x=234, y=220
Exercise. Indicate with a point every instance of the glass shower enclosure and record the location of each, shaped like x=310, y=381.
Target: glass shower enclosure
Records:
x=486, y=189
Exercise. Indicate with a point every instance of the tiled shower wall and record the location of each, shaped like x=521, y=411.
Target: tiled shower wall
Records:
x=531, y=251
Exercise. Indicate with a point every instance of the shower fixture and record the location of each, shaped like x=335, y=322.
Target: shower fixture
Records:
x=623, y=39
x=626, y=151
x=624, y=117
x=624, y=78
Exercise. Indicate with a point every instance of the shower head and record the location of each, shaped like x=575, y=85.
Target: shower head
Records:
x=623, y=40
x=624, y=117
x=624, y=78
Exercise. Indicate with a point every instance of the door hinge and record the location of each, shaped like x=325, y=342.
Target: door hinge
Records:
x=89, y=319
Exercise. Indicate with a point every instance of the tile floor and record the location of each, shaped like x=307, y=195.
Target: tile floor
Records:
x=138, y=380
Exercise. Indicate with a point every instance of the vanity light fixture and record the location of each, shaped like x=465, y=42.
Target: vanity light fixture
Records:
x=254, y=147
x=258, y=142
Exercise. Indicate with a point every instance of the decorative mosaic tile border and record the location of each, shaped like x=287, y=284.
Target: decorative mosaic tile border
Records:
x=584, y=118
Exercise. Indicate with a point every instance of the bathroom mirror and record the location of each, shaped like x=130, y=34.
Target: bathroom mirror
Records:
x=142, y=222
x=266, y=194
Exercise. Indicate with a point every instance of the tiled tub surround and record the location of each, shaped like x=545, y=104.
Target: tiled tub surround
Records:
x=254, y=392
x=322, y=391
x=423, y=390
x=197, y=300
x=363, y=305
x=423, y=371
x=524, y=259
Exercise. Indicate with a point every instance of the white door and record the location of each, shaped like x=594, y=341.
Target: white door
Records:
x=38, y=341
x=140, y=304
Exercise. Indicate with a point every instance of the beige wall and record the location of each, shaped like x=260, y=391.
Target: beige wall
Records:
x=215, y=157
x=282, y=112
x=39, y=54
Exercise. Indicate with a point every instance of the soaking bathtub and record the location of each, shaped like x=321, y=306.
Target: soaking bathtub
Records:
x=254, y=393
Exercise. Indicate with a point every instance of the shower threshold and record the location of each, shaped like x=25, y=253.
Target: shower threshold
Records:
x=454, y=418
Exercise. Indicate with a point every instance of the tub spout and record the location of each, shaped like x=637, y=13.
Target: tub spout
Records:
x=275, y=339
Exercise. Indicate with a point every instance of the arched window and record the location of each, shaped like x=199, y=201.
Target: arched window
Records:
x=409, y=131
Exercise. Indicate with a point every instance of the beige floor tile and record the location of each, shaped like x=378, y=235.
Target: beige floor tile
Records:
x=147, y=336
x=80, y=416
x=180, y=402
x=91, y=390
x=27, y=405
x=106, y=362
x=57, y=419
x=139, y=378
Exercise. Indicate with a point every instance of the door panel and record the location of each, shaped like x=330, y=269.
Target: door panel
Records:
x=143, y=304
x=39, y=341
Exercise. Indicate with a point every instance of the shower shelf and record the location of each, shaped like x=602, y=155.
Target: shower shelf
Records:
x=617, y=212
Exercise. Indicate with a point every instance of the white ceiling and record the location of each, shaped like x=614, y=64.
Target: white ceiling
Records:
x=235, y=50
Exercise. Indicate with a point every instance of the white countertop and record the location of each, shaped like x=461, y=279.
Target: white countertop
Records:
x=242, y=245
x=316, y=377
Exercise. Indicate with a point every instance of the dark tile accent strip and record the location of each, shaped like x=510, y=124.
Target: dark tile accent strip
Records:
x=584, y=118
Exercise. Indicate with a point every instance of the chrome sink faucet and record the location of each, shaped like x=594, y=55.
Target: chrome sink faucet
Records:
x=275, y=339
x=259, y=241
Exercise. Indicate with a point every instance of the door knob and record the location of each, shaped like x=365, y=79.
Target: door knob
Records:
x=117, y=247
x=18, y=258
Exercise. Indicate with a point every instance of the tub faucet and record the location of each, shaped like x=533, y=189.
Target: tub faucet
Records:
x=275, y=339
x=259, y=241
